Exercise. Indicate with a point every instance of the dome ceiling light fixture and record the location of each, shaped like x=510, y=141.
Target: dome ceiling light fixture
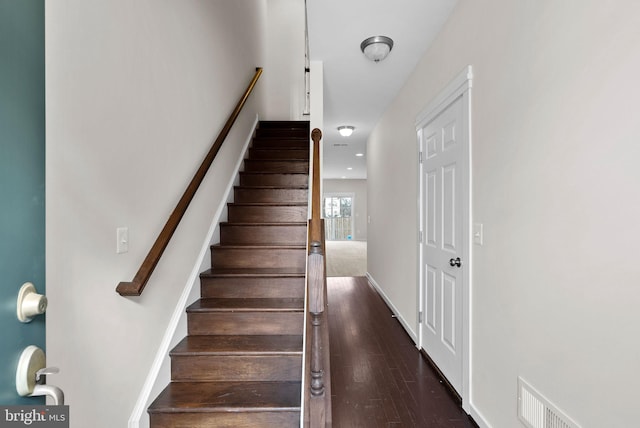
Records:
x=376, y=48
x=345, y=131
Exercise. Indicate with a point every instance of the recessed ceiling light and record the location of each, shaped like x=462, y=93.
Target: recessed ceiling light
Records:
x=359, y=154
x=349, y=169
x=346, y=131
x=344, y=176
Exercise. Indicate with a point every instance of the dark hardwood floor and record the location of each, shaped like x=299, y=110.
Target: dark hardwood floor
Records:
x=379, y=378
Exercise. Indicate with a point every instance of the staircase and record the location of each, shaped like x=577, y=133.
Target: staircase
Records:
x=241, y=363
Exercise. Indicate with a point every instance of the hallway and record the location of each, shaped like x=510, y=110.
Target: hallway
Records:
x=379, y=379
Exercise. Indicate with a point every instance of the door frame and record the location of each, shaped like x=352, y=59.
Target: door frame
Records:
x=459, y=87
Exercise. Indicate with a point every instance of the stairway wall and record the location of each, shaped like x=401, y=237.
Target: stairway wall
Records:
x=136, y=92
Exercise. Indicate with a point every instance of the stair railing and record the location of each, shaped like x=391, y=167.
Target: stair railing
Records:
x=135, y=287
x=317, y=394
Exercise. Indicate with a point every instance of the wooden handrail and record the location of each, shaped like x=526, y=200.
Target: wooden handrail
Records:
x=135, y=287
x=316, y=236
x=317, y=396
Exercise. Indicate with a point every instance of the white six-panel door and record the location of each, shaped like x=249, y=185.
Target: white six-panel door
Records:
x=443, y=175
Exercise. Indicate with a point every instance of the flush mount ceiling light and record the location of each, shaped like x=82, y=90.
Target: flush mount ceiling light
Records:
x=376, y=48
x=345, y=131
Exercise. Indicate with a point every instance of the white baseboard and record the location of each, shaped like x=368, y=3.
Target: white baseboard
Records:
x=478, y=418
x=179, y=313
x=395, y=311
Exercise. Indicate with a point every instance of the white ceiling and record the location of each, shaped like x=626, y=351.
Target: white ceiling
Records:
x=357, y=90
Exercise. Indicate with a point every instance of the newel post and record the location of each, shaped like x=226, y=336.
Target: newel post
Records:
x=316, y=309
x=318, y=391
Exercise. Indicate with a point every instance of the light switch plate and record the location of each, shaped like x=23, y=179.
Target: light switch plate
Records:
x=478, y=233
x=122, y=237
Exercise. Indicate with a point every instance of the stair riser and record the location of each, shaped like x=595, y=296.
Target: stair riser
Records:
x=270, y=214
x=276, y=166
x=224, y=257
x=250, y=195
x=284, y=124
x=236, y=368
x=257, y=419
x=286, y=133
x=275, y=179
x=281, y=143
x=243, y=323
x=252, y=287
x=271, y=153
x=274, y=235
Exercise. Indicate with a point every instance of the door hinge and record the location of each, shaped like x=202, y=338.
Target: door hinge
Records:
x=420, y=317
x=420, y=236
x=420, y=157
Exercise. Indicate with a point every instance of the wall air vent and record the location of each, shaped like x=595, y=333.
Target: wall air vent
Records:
x=535, y=411
x=340, y=145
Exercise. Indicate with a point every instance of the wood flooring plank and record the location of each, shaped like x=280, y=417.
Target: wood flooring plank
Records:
x=379, y=378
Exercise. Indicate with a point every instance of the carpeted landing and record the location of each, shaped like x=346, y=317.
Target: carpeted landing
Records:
x=346, y=258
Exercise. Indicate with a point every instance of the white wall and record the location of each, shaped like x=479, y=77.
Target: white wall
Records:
x=555, y=183
x=316, y=116
x=284, y=66
x=359, y=189
x=136, y=93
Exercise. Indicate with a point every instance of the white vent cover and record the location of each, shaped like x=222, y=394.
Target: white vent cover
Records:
x=535, y=411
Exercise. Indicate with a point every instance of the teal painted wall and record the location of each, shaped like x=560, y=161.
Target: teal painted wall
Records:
x=22, y=180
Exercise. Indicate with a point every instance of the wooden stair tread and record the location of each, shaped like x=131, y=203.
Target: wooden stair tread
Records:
x=280, y=136
x=275, y=148
x=258, y=224
x=239, y=345
x=303, y=141
x=272, y=187
x=294, y=134
x=228, y=397
x=269, y=204
x=247, y=305
x=273, y=137
x=260, y=247
x=264, y=178
x=280, y=143
x=284, y=124
x=279, y=160
x=298, y=174
x=304, y=146
x=251, y=272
